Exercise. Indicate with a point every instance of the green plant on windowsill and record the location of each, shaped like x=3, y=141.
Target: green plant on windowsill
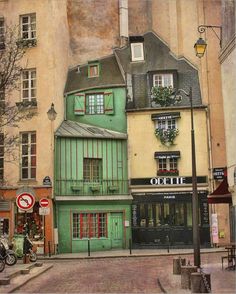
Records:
x=165, y=96
x=166, y=136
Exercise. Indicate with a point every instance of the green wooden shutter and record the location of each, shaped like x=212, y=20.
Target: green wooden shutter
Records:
x=79, y=104
x=109, y=107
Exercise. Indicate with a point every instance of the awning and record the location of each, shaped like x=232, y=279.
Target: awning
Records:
x=167, y=154
x=165, y=115
x=221, y=194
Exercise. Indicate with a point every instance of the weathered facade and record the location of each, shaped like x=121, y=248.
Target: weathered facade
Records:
x=160, y=168
x=91, y=170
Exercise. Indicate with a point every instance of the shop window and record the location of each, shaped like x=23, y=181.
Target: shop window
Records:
x=89, y=225
x=28, y=155
x=92, y=170
x=4, y=227
x=30, y=223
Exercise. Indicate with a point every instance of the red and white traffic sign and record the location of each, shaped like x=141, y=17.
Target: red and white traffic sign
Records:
x=44, y=202
x=25, y=201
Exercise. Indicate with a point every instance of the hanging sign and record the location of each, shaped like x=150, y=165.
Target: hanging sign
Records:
x=219, y=173
x=25, y=201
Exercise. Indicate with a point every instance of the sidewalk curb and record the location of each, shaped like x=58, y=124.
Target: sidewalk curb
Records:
x=13, y=288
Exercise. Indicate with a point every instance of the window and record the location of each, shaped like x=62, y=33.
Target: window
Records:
x=28, y=26
x=95, y=104
x=2, y=95
x=92, y=170
x=93, y=70
x=167, y=124
x=1, y=156
x=137, y=52
x=89, y=225
x=28, y=155
x=163, y=80
x=29, y=85
x=2, y=32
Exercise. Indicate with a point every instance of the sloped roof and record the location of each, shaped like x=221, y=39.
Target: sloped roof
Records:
x=74, y=129
x=110, y=76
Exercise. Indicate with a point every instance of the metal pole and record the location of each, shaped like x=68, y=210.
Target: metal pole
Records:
x=130, y=246
x=44, y=237
x=88, y=247
x=195, y=215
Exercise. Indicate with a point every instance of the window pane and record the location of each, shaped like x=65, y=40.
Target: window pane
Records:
x=142, y=215
x=166, y=214
x=33, y=149
x=33, y=160
x=24, y=138
x=85, y=224
x=189, y=214
x=158, y=214
x=24, y=173
x=33, y=173
x=179, y=214
x=137, y=49
x=33, y=138
x=25, y=161
x=150, y=216
x=76, y=226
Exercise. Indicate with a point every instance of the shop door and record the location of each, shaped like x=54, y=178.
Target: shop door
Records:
x=116, y=230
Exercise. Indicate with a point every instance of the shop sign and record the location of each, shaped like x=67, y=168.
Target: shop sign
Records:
x=44, y=210
x=219, y=173
x=25, y=201
x=161, y=181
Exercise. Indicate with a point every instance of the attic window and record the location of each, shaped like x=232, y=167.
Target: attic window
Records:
x=137, y=52
x=93, y=70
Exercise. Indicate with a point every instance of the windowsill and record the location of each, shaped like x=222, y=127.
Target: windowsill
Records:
x=27, y=43
x=137, y=61
x=28, y=181
x=27, y=104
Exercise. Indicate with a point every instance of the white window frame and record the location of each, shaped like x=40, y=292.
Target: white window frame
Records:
x=133, y=57
x=159, y=80
x=170, y=163
x=95, y=103
x=32, y=77
x=30, y=32
x=28, y=156
x=166, y=124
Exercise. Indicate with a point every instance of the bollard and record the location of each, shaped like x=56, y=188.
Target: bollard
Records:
x=130, y=246
x=88, y=247
x=186, y=275
x=177, y=263
x=26, y=258
x=200, y=282
x=49, y=248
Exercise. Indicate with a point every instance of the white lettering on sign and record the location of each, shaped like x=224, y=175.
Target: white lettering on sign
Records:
x=169, y=197
x=168, y=181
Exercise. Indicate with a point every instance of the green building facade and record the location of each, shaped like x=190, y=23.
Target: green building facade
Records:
x=91, y=170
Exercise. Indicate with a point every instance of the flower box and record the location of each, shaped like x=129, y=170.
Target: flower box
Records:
x=172, y=172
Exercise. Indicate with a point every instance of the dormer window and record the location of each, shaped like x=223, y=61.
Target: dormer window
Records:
x=136, y=45
x=163, y=80
x=93, y=70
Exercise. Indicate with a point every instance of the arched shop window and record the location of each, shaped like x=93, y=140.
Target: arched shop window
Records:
x=33, y=221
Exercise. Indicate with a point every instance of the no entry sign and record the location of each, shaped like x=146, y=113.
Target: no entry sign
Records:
x=25, y=201
x=44, y=202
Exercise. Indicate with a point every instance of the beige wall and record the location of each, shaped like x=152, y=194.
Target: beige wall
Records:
x=50, y=58
x=143, y=143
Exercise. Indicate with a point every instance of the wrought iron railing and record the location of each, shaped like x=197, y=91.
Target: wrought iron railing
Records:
x=80, y=187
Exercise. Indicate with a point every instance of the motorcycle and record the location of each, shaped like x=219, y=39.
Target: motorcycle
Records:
x=7, y=254
x=2, y=263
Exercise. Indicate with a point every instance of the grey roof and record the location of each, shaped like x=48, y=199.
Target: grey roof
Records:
x=110, y=76
x=158, y=57
x=74, y=129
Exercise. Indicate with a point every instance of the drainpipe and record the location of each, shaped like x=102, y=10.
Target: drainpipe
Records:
x=124, y=31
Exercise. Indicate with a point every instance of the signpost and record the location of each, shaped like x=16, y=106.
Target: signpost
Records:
x=44, y=210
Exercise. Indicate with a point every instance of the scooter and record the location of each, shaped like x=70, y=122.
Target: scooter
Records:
x=2, y=263
x=6, y=253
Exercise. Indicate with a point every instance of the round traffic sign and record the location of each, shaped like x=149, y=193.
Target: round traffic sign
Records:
x=25, y=201
x=44, y=202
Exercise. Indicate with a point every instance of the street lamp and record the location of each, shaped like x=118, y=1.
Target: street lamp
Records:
x=195, y=215
x=52, y=114
x=200, y=45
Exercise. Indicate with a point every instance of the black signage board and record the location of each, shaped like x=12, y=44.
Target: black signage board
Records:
x=47, y=181
x=218, y=173
x=160, y=181
x=175, y=196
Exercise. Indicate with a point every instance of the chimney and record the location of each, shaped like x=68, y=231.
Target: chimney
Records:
x=124, y=32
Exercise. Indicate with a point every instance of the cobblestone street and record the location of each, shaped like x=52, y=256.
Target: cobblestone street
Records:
x=123, y=275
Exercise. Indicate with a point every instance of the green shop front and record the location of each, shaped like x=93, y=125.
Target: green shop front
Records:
x=94, y=224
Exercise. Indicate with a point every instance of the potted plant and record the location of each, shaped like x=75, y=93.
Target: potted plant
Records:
x=166, y=136
x=165, y=96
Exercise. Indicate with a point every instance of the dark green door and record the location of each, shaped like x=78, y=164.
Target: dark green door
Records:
x=116, y=230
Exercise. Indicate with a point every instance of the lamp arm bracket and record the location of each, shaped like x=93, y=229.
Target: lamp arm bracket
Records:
x=202, y=28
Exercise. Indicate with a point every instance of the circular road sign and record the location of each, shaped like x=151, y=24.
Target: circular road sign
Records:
x=25, y=201
x=44, y=202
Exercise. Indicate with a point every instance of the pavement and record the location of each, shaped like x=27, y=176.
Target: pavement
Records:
x=222, y=281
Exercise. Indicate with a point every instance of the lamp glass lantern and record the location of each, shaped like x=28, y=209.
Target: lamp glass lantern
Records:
x=200, y=47
x=52, y=114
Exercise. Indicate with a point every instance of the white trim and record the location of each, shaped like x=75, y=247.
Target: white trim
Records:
x=140, y=46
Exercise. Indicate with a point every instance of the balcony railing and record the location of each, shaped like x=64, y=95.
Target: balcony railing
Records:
x=80, y=187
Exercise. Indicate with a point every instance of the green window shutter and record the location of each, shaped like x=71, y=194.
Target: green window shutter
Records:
x=109, y=105
x=79, y=104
